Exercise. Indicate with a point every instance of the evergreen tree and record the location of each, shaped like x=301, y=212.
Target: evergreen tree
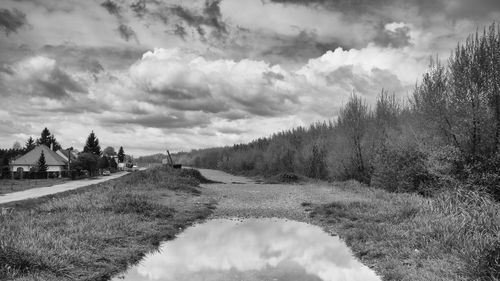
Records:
x=44, y=137
x=121, y=155
x=113, y=164
x=30, y=144
x=42, y=165
x=92, y=145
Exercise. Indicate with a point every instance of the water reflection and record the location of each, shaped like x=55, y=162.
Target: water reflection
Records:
x=255, y=249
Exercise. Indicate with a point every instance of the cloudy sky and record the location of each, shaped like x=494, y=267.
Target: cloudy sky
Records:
x=157, y=74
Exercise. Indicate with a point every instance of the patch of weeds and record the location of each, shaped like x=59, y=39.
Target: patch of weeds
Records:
x=305, y=204
x=194, y=174
x=139, y=204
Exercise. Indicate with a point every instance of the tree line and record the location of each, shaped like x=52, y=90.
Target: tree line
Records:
x=445, y=135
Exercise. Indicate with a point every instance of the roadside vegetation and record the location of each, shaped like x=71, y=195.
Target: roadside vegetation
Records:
x=442, y=146
x=96, y=232
x=405, y=236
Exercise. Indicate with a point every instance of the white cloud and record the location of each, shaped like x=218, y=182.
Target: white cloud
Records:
x=172, y=75
x=400, y=62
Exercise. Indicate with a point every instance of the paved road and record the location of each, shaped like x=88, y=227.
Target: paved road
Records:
x=42, y=191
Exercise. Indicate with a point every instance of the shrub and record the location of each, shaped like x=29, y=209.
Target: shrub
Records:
x=194, y=174
x=401, y=169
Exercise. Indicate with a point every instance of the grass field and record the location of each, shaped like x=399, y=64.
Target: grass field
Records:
x=454, y=236
x=96, y=232
x=9, y=186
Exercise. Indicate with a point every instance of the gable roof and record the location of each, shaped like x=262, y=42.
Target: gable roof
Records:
x=66, y=153
x=31, y=158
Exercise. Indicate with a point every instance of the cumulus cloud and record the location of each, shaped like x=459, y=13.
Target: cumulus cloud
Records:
x=41, y=76
x=171, y=75
x=11, y=20
x=407, y=66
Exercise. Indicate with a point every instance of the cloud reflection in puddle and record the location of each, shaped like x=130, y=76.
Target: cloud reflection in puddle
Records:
x=253, y=249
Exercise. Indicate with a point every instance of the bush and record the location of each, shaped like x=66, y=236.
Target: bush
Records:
x=484, y=174
x=194, y=174
x=401, y=169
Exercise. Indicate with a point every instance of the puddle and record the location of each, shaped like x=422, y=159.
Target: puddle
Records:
x=251, y=250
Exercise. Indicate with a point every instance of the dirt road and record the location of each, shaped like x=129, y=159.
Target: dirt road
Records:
x=43, y=191
x=242, y=197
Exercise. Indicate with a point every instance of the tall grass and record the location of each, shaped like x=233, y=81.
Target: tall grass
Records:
x=97, y=233
x=454, y=236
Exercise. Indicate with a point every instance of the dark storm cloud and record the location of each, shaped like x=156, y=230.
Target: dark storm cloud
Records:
x=11, y=20
x=111, y=7
x=127, y=33
x=139, y=8
x=210, y=16
x=180, y=31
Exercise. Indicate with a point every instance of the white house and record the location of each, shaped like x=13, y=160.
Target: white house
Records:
x=54, y=161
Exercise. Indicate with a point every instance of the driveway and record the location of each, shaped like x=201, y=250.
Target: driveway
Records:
x=42, y=191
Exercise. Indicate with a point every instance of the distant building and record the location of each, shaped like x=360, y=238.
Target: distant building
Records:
x=121, y=166
x=29, y=161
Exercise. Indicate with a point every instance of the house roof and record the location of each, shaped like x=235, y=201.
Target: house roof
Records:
x=66, y=153
x=31, y=158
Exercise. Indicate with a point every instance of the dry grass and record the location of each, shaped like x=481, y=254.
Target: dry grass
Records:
x=94, y=234
x=9, y=186
x=454, y=236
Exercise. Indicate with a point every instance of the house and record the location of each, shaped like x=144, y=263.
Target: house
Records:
x=29, y=161
x=67, y=154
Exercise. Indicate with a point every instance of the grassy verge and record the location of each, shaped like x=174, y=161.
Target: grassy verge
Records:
x=454, y=236
x=9, y=186
x=96, y=232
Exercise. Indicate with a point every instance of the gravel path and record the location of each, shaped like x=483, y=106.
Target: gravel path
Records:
x=243, y=198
